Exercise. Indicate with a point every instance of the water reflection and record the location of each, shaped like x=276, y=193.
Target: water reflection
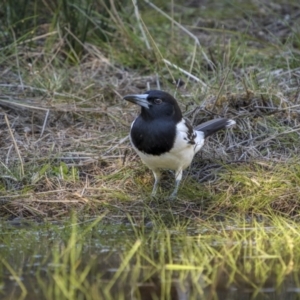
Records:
x=151, y=290
x=39, y=263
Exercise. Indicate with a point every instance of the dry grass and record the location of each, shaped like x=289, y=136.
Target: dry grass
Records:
x=64, y=127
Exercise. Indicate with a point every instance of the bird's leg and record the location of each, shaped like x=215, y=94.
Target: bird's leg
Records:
x=178, y=177
x=157, y=175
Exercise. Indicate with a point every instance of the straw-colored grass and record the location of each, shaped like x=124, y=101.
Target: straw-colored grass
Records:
x=65, y=126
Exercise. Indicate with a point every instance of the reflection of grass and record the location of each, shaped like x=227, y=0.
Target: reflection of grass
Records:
x=78, y=261
x=69, y=274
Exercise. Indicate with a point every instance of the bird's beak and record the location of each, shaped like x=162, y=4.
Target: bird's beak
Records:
x=140, y=100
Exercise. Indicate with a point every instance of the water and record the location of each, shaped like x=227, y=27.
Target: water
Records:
x=100, y=261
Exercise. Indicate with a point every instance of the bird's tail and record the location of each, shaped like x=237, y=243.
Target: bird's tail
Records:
x=212, y=126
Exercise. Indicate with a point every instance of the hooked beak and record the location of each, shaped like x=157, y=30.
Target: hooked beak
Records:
x=140, y=100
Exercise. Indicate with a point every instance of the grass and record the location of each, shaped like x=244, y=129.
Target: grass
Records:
x=243, y=67
x=50, y=103
x=64, y=139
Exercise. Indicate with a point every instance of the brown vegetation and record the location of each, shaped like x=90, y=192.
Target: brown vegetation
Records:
x=64, y=127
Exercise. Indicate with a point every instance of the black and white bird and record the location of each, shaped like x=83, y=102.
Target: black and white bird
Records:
x=163, y=138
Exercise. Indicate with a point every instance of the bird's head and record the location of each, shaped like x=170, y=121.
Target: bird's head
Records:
x=156, y=104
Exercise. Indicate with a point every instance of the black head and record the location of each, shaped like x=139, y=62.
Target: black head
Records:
x=156, y=104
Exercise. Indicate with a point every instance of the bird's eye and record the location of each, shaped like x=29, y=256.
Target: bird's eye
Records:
x=157, y=101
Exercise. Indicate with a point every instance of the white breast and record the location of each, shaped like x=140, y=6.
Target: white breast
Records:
x=180, y=156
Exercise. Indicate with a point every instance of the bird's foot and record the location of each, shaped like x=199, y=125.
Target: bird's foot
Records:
x=154, y=195
x=154, y=191
x=173, y=196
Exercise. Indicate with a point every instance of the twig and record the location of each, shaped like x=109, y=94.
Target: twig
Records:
x=117, y=145
x=17, y=59
x=42, y=36
x=42, y=90
x=157, y=82
x=15, y=144
x=45, y=122
x=276, y=135
x=8, y=154
x=138, y=17
x=184, y=72
x=14, y=103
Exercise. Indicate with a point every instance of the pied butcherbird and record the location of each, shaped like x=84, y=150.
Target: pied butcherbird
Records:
x=163, y=138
